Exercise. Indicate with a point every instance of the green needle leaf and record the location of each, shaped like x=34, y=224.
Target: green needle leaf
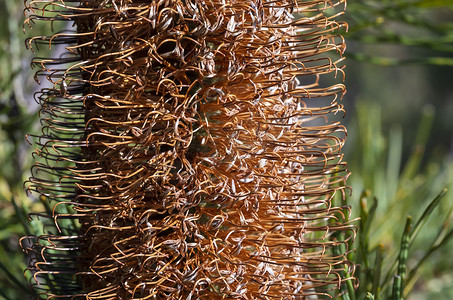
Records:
x=400, y=277
x=424, y=217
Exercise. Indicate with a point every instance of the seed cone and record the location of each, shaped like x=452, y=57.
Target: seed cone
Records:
x=189, y=152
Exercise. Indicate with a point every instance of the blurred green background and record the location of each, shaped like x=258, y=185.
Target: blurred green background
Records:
x=400, y=145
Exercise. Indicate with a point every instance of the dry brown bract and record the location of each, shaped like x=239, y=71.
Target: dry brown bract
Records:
x=188, y=147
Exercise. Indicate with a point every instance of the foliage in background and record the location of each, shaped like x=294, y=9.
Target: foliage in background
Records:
x=401, y=171
x=15, y=159
x=421, y=32
x=393, y=194
x=423, y=26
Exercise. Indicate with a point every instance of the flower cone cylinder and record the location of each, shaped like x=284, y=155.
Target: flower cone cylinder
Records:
x=189, y=152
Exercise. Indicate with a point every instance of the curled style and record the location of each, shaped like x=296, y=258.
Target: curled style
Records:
x=188, y=150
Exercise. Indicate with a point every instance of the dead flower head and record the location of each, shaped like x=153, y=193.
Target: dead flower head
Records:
x=188, y=150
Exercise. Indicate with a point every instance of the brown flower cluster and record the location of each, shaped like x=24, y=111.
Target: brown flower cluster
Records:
x=188, y=150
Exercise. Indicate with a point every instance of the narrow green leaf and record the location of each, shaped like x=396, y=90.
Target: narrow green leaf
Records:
x=21, y=215
x=400, y=277
x=349, y=284
x=377, y=271
x=348, y=292
x=14, y=280
x=395, y=150
x=425, y=215
x=423, y=134
x=391, y=61
x=430, y=252
x=433, y=3
x=2, y=293
x=443, y=236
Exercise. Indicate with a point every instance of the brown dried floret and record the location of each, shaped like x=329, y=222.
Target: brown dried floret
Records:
x=190, y=150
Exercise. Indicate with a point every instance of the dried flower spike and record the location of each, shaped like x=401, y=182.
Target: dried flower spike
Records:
x=188, y=151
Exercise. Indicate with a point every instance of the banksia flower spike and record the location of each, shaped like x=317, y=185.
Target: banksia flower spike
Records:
x=188, y=151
